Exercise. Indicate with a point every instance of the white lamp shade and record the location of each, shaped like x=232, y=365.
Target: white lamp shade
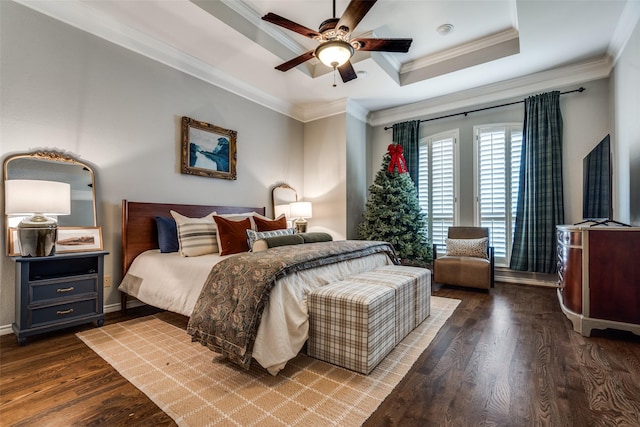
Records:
x=282, y=210
x=301, y=210
x=29, y=196
x=334, y=53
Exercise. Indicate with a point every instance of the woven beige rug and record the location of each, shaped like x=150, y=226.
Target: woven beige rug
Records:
x=196, y=387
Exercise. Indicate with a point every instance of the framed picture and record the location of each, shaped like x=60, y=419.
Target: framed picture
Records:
x=79, y=239
x=14, y=243
x=208, y=150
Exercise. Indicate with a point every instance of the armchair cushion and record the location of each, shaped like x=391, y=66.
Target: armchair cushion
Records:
x=464, y=271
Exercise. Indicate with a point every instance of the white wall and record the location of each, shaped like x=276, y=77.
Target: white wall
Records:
x=66, y=90
x=586, y=120
x=325, y=174
x=356, y=155
x=626, y=105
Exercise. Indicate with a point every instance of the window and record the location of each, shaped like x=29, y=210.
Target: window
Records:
x=497, y=150
x=437, y=184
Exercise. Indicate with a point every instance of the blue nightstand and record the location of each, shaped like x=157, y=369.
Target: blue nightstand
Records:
x=57, y=292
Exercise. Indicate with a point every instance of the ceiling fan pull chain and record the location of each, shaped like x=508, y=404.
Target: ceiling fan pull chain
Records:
x=334, y=77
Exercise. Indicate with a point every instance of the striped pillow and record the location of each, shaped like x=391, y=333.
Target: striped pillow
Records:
x=196, y=236
x=253, y=235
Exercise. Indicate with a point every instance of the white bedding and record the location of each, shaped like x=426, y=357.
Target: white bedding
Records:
x=172, y=282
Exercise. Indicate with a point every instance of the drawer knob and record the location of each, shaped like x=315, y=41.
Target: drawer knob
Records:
x=63, y=290
x=64, y=312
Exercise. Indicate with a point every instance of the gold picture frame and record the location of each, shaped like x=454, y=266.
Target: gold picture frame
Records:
x=79, y=239
x=13, y=244
x=208, y=150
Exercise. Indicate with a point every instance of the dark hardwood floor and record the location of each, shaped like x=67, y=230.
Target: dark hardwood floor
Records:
x=505, y=358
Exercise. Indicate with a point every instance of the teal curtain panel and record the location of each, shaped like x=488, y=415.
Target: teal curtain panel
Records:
x=540, y=197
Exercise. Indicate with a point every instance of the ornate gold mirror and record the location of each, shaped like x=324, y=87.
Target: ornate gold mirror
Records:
x=281, y=196
x=53, y=166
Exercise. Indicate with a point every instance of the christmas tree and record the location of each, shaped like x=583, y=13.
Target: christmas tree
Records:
x=392, y=212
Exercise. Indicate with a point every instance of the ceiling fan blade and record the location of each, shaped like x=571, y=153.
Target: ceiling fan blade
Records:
x=295, y=61
x=347, y=72
x=383, y=45
x=290, y=25
x=353, y=14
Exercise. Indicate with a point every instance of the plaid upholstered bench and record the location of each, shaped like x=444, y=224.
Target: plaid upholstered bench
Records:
x=405, y=296
x=421, y=278
x=346, y=325
x=351, y=324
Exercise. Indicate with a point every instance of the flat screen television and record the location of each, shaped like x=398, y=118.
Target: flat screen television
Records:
x=597, y=194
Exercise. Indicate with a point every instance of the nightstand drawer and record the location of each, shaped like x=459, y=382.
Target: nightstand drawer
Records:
x=67, y=288
x=61, y=312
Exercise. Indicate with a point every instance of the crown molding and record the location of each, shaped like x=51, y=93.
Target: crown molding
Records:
x=246, y=21
x=461, y=50
x=497, y=92
x=357, y=110
x=80, y=15
x=255, y=19
x=323, y=110
x=629, y=19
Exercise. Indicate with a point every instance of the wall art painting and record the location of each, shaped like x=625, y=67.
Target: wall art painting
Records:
x=208, y=150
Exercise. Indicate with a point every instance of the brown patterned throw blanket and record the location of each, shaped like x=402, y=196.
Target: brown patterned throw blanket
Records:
x=228, y=312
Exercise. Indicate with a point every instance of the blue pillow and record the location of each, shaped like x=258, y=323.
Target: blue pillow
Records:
x=167, y=234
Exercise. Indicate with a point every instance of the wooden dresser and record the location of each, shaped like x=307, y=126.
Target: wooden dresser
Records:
x=599, y=277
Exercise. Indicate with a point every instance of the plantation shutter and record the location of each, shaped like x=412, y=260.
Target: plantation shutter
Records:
x=436, y=185
x=498, y=157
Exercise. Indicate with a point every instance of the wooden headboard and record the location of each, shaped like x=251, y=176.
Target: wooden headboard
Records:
x=139, y=232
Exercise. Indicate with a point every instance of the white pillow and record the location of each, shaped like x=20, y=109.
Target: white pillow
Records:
x=253, y=235
x=476, y=248
x=196, y=236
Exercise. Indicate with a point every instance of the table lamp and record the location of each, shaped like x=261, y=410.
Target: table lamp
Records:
x=37, y=233
x=285, y=210
x=301, y=211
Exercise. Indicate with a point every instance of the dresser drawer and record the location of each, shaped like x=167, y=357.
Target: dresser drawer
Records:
x=70, y=287
x=570, y=237
x=61, y=312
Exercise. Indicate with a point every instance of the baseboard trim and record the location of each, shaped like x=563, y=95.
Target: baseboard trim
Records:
x=525, y=281
x=116, y=307
x=6, y=330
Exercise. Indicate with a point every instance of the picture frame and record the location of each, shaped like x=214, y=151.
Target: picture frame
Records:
x=79, y=239
x=13, y=248
x=208, y=150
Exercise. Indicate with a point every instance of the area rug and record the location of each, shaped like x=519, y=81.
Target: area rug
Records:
x=196, y=387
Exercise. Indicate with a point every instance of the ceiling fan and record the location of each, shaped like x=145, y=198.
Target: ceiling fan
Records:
x=336, y=45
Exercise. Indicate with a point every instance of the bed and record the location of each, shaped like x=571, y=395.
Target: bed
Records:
x=278, y=329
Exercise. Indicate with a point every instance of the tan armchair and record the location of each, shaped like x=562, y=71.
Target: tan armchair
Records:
x=467, y=263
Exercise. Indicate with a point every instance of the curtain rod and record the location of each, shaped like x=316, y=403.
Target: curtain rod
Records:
x=580, y=89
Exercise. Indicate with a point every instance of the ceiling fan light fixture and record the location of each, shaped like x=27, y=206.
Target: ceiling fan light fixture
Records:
x=334, y=53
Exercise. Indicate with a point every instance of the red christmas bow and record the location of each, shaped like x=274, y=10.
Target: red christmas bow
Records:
x=397, y=159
